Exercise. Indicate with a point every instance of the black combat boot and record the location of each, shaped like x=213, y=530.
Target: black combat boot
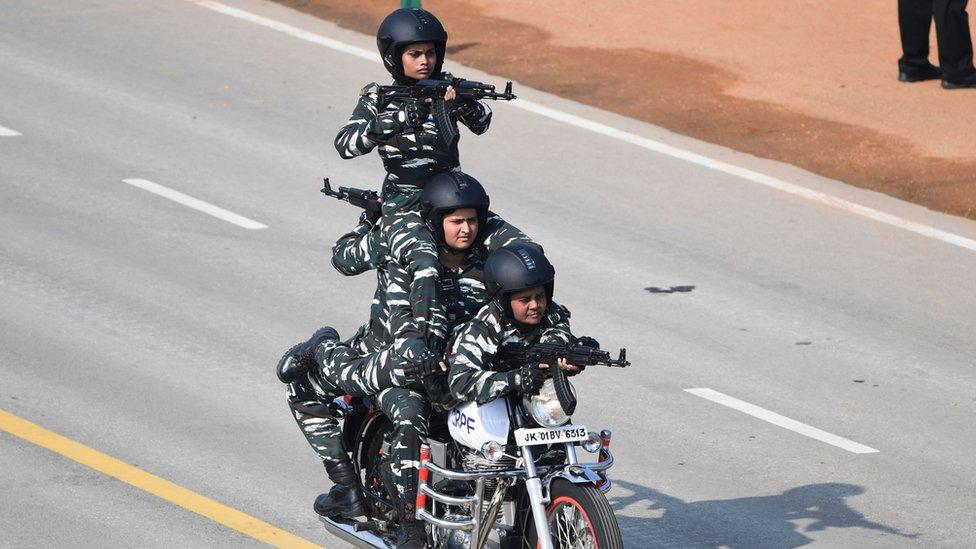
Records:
x=410, y=531
x=301, y=358
x=346, y=497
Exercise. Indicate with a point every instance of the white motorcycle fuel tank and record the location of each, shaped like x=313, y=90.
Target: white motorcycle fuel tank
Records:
x=474, y=425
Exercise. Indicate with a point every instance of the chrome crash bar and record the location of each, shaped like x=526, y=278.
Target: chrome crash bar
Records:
x=474, y=502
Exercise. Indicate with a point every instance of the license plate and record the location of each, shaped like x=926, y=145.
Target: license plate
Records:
x=566, y=433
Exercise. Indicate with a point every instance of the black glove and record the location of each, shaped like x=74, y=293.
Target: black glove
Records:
x=372, y=212
x=413, y=114
x=526, y=379
x=466, y=107
x=588, y=341
x=425, y=365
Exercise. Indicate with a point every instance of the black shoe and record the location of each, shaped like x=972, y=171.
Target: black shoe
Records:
x=344, y=501
x=964, y=82
x=345, y=498
x=301, y=358
x=930, y=72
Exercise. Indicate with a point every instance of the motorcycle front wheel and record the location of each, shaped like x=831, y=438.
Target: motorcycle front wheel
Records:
x=579, y=517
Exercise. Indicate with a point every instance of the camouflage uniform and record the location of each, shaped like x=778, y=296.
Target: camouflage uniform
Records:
x=409, y=154
x=409, y=411
x=458, y=296
x=356, y=252
x=472, y=375
x=307, y=398
x=401, y=237
x=461, y=293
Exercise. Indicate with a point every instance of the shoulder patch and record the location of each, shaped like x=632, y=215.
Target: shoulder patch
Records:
x=370, y=88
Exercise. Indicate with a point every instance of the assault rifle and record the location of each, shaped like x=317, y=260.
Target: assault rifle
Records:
x=444, y=113
x=357, y=197
x=548, y=353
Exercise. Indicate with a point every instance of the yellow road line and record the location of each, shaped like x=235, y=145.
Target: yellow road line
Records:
x=160, y=487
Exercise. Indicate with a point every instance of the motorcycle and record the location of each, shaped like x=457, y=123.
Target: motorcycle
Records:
x=505, y=474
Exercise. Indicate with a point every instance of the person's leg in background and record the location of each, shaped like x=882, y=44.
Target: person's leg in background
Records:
x=914, y=22
x=955, y=44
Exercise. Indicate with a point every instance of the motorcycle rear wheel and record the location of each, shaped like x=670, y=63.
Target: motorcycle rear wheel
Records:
x=580, y=517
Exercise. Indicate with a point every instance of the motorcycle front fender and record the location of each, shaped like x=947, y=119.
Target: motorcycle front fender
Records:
x=583, y=473
x=576, y=474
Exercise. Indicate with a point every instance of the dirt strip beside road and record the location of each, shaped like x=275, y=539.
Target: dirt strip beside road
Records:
x=809, y=83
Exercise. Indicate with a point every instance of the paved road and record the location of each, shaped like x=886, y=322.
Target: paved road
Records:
x=148, y=330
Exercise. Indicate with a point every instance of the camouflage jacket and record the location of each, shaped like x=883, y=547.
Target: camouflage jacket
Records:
x=460, y=291
x=473, y=374
x=366, y=248
x=403, y=240
x=407, y=153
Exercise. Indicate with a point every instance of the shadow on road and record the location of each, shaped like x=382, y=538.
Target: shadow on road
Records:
x=669, y=289
x=742, y=523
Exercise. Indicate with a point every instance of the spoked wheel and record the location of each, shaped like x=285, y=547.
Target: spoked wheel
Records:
x=579, y=518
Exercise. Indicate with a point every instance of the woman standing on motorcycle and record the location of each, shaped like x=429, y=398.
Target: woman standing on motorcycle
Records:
x=412, y=43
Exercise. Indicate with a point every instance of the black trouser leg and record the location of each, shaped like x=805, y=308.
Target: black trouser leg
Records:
x=914, y=22
x=955, y=43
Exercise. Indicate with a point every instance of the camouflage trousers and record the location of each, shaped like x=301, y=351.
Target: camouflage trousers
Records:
x=404, y=402
x=308, y=398
x=409, y=411
x=363, y=373
x=310, y=395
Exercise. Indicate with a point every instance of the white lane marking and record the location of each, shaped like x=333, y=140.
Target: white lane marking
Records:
x=290, y=30
x=750, y=175
x=634, y=139
x=195, y=203
x=7, y=132
x=781, y=421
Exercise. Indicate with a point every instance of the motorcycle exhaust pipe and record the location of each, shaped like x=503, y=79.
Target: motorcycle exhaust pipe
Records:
x=347, y=533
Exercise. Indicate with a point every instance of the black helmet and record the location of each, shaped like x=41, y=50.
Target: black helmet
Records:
x=449, y=191
x=517, y=267
x=407, y=26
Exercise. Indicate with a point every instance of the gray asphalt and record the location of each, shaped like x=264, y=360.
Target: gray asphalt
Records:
x=149, y=331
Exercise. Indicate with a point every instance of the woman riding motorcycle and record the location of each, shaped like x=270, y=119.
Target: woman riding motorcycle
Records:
x=520, y=279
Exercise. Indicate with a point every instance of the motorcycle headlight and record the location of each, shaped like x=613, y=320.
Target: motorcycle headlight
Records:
x=544, y=407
